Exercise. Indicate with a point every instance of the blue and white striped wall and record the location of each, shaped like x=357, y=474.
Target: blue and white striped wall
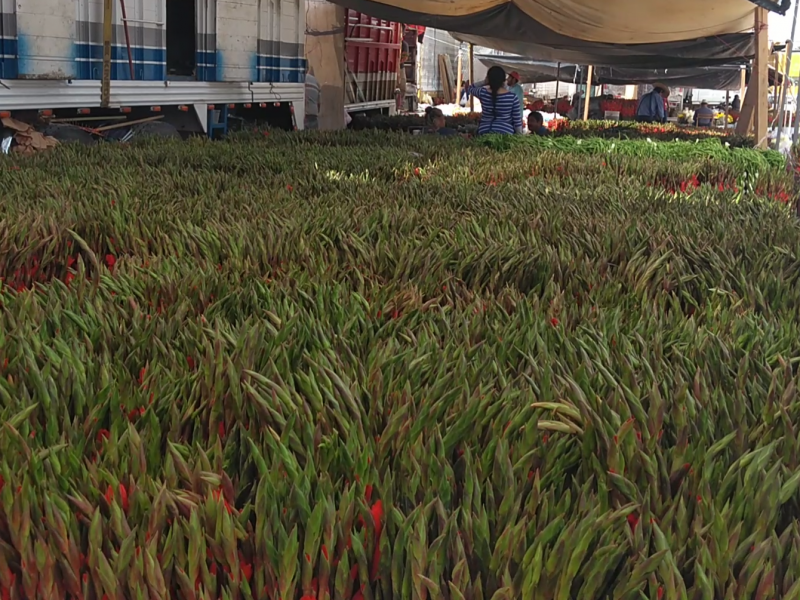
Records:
x=150, y=64
x=280, y=62
x=8, y=45
x=46, y=39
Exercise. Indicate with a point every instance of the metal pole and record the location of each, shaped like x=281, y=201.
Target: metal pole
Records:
x=787, y=64
x=471, y=76
x=127, y=38
x=558, y=77
x=727, y=107
x=105, y=85
x=588, y=93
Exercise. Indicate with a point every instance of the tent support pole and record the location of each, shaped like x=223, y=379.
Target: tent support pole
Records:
x=459, y=75
x=558, y=78
x=589, y=75
x=746, y=113
x=108, y=28
x=743, y=84
x=761, y=77
x=787, y=64
x=471, y=75
x=727, y=107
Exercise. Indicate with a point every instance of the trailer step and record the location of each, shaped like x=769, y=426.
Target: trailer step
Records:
x=219, y=124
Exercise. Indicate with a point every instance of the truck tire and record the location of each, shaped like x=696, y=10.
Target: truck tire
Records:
x=66, y=134
x=158, y=129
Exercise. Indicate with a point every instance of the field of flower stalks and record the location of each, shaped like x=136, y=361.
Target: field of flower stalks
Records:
x=372, y=366
x=564, y=127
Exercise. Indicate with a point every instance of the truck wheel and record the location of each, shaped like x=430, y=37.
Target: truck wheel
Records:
x=66, y=133
x=155, y=129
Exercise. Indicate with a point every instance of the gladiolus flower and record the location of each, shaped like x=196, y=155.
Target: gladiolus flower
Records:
x=123, y=493
x=247, y=571
x=633, y=521
x=376, y=562
x=221, y=429
x=102, y=435
x=324, y=548
x=190, y=362
x=554, y=322
x=109, y=494
x=110, y=261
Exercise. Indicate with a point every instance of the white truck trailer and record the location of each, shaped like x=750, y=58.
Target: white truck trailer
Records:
x=192, y=63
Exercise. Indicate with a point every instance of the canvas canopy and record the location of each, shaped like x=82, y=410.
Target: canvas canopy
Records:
x=725, y=77
x=506, y=27
x=601, y=21
x=734, y=48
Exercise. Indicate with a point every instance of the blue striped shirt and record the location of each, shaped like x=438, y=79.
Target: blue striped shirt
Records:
x=504, y=117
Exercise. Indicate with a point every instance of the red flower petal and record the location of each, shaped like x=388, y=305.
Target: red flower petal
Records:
x=124, y=495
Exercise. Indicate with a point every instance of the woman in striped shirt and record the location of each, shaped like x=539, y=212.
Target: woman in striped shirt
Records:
x=500, y=109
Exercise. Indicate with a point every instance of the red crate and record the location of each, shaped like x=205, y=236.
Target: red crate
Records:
x=373, y=47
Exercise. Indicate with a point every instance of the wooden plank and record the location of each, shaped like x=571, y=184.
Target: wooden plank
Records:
x=448, y=68
x=458, y=81
x=745, y=122
x=761, y=77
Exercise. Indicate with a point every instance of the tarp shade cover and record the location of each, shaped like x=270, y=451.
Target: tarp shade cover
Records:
x=715, y=78
x=604, y=21
x=723, y=50
x=505, y=27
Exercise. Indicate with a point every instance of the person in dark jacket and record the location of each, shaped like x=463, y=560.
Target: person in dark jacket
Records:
x=536, y=124
x=651, y=106
x=434, y=119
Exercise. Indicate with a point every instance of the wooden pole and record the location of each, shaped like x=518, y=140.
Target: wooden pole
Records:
x=588, y=93
x=471, y=76
x=787, y=64
x=742, y=87
x=458, y=79
x=761, y=77
x=746, y=114
x=105, y=85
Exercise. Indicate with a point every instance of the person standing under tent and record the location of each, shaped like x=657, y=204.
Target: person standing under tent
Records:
x=311, y=120
x=651, y=106
x=736, y=105
x=515, y=88
x=500, y=109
